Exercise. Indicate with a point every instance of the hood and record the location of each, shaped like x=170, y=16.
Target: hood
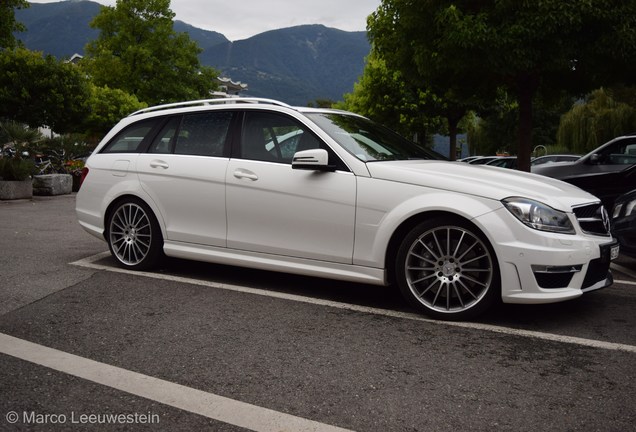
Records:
x=558, y=170
x=482, y=180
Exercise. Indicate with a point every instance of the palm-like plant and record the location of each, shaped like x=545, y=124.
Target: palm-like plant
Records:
x=17, y=138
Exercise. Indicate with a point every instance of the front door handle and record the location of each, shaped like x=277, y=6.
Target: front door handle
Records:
x=242, y=173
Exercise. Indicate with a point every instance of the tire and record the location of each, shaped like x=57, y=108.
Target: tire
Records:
x=447, y=269
x=133, y=235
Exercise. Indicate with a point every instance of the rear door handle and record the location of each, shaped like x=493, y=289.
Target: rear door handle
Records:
x=159, y=164
x=242, y=173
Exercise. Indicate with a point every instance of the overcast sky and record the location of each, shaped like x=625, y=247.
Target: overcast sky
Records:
x=240, y=19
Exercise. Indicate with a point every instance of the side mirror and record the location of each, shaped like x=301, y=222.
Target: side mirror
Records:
x=314, y=159
x=595, y=159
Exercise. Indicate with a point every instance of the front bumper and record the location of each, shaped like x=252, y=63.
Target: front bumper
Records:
x=543, y=267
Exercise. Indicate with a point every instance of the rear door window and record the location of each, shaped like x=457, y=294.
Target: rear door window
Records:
x=164, y=141
x=201, y=134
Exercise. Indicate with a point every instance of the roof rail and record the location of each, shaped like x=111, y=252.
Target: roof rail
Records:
x=210, y=102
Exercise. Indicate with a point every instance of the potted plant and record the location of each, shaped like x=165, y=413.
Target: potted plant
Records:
x=74, y=168
x=15, y=178
x=63, y=158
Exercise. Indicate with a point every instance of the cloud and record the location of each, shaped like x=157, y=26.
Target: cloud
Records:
x=240, y=19
x=245, y=18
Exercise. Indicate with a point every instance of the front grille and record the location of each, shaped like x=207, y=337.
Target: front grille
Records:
x=593, y=219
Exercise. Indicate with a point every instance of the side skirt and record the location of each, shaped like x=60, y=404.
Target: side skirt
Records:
x=278, y=263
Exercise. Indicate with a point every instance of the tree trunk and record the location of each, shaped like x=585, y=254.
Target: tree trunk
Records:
x=527, y=86
x=453, y=118
x=452, y=133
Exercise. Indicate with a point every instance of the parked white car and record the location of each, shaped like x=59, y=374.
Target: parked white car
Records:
x=209, y=181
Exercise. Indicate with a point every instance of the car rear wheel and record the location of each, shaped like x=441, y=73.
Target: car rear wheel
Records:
x=447, y=269
x=133, y=235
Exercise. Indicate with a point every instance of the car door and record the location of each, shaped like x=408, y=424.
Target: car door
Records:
x=184, y=174
x=275, y=209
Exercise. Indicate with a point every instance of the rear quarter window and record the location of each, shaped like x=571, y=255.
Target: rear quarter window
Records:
x=130, y=139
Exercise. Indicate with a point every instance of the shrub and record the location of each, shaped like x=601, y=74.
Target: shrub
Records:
x=12, y=169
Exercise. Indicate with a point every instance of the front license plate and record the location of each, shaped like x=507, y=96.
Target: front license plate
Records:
x=614, y=252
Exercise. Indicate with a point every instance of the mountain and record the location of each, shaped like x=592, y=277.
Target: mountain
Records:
x=296, y=65
x=204, y=38
x=60, y=29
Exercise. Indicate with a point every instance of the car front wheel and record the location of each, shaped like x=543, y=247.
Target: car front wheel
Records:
x=133, y=235
x=447, y=269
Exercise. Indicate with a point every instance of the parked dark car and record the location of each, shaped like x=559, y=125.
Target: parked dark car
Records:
x=468, y=159
x=504, y=162
x=483, y=160
x=547, y=159
x=607, y=172
x=624, y=223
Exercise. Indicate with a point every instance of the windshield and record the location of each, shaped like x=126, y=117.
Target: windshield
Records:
x=369, y=141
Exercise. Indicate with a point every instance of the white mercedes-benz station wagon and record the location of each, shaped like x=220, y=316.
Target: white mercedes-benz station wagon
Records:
x=326, y=193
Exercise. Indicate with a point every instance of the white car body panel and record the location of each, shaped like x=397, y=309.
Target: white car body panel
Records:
x=484, y=181
x=281, y=263
x=172, y=180
x=383, y=207
x=102, y=190
x=275, y=209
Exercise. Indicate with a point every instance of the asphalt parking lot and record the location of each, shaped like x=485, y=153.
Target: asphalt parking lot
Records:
x=192, y=346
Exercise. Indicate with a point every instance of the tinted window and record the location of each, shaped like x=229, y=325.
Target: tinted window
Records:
x=203, y=134
x=275, y=138
x=129, y=140
x=269, y=137
x=622, y=152
x=164, y=140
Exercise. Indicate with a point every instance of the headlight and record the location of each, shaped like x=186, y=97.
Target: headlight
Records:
x=617, y=210
x=539, y=216
x=630, y=208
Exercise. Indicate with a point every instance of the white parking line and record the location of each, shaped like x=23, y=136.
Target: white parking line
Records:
x=90, y=263
x=624, y=282
x=216, y=407
x=624, y=270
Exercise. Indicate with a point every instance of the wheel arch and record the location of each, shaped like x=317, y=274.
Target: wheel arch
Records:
x=129, y=196
x=470, y=284
x=408, y=224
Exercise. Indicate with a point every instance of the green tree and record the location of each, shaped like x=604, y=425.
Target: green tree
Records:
x=404, y=34
x=527, y=47
x=107, y=107
x=41, y=91
x=321, y=103
x=139, y=52
x=594, y=121
x=496, y=129
x=384, y=96
x=8, y=24
x=17, y=136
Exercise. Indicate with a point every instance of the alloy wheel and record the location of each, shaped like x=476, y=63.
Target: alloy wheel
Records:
x=448, y=269
x=130, y=234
